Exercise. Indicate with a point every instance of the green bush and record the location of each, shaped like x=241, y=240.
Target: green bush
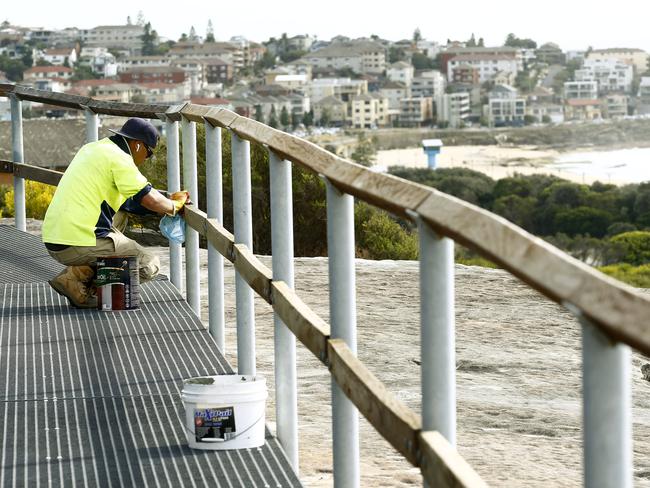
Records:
x=635, y=247
x=638, y=276
x=378, y=236
x=37, y=198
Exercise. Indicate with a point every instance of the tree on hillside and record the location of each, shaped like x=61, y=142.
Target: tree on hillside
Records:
x=259, y=114
x=365, y=152
x=417, y=35
x=285, y=118
x=421, y=61
x=273, y=118
x=514, y=41
x=149, y=40
x=209, y=32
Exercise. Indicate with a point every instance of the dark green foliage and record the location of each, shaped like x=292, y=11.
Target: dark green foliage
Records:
x=422, y=61
x=365, y=152
x=379, y=236
x=583, y=220
x=469, y=185
x=514, y=41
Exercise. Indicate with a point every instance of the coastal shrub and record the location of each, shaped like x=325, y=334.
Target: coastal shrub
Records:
x=37, y=198
x=583, y=220
x=518, y=210
x=638, y=276
x=378, y=236
x=635, y=247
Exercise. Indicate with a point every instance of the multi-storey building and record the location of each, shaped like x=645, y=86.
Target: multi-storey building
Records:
x=369, y=111
x=218, y=70
x=615, y=105
x=498, y=52
x=360, y=57
x=632, y=56
x=611, y=75
x=487, y=65
x=505, y=107
x=163, y=74
x=454, y=109
x=414, y=112
x=428, y=84
x=62, y=72
x=400, y=72
x=465, y=73
x=60, y=57
x=394, y=92
x=129, y=62
x=114, y=36
x=332, y=109
x=584, y=90
x=583, y=109
x=343, y=88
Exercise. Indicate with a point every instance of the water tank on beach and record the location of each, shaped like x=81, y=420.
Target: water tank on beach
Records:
x=432, y=148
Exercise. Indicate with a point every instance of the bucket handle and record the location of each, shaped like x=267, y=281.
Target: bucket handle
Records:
x=227, y=440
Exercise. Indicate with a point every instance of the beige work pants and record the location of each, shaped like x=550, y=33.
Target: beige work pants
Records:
x=115, y=244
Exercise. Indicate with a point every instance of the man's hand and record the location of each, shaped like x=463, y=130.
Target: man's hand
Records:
x=179, y=200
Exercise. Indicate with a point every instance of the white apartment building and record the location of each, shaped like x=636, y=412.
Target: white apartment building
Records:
x=361, y=57
x=142, y=61
x=632, y=56
x=114, y=36
x=369, y=111
x=488, y=65
x=292, y=82
x=401, y=72
x=164, y=93
x=343, y=88
x=394, y=92
x=428, y=84
x=59, y=57
x=454, y=109
x=429, y=48
x=505, y=107
x=62, y=72
x=611, y=75
x=584, y=90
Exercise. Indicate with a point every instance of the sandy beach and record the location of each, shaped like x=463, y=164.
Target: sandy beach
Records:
x=495, y=161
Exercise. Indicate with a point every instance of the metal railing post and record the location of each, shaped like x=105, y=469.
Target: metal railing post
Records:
x=18, y=156
x=214, y=200
x=340, y=249
x=607, y=420
x=174, y=184
x=192, y=275
x=243, y=223
x=437, y=329
x=92, y=125
x=286, y=392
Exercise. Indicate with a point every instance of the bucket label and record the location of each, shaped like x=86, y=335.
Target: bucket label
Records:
x=214, y=423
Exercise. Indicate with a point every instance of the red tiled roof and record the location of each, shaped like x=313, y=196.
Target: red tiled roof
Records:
x=578, y=102
x=49, y=69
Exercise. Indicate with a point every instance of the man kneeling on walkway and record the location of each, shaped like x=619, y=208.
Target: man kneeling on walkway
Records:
x=85, y=219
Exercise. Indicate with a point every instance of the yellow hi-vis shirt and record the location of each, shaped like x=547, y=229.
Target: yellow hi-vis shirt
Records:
x=100, y=172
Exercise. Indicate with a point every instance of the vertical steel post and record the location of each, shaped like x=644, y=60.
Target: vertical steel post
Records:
x=18, y=157
x=174, y=184
x=437, y=344
x=92, y=125
x=340, y=249
x=192, y=275
x=214, y=196
x=243, y=223
x=286, y=396
x=607, y=421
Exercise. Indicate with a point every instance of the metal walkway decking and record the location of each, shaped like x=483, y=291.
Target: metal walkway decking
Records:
x=91, y=398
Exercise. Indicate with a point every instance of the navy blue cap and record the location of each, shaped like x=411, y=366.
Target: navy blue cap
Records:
x=140, y=130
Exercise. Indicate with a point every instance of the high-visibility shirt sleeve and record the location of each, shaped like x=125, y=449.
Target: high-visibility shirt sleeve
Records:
x=128, y=178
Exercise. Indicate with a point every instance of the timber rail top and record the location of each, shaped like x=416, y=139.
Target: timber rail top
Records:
x=617, y=309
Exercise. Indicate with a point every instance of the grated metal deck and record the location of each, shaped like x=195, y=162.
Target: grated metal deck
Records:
x=91, y=398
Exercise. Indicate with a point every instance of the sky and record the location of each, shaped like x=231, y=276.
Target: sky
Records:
x=573, y=24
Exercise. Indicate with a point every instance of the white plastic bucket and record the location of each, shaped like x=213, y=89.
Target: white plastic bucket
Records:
x=224, y=412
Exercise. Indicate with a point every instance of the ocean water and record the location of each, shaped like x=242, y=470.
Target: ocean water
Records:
x=619, y=166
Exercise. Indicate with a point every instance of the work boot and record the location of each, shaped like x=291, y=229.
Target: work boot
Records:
x=73, y=283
